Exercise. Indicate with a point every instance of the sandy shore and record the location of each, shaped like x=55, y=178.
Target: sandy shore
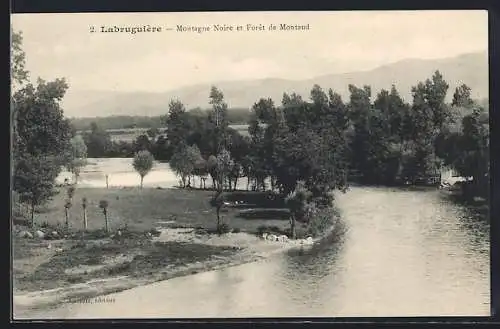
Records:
x=250, y=248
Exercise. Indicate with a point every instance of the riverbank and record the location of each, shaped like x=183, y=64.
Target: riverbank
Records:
x=107, y=266
x=154, y=235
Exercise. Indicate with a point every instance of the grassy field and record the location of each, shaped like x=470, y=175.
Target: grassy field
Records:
x=129, y=250
x=143, y=209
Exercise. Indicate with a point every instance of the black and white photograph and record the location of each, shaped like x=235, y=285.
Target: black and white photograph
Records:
x=294, y=164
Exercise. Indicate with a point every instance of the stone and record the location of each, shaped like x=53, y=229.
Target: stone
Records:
x=54, y=234
x=24, y=234
x=39, y=234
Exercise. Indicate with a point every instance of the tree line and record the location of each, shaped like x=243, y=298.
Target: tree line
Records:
x=235, y=116
x=313, y=145
x=386, y=141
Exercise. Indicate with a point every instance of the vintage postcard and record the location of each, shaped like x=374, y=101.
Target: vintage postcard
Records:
x=250, y=164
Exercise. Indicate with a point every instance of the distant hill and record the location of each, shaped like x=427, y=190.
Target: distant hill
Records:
x=471, y=69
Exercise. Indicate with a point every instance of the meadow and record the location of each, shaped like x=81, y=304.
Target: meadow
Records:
x=144, y=209
x=136, y=217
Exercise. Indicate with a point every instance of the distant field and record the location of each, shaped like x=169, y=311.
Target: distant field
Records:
x=242, y=129
x=235, y=116
x=130, y=134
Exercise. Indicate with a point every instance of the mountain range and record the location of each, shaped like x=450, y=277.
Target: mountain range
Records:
x=471, y=69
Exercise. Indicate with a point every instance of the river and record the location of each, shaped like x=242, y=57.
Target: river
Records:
x=402, y=253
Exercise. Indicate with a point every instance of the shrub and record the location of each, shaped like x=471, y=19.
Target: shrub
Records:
x=272, y=229
x=224, y=228
x=321, y=222
x=265, y=214
x=236, y=230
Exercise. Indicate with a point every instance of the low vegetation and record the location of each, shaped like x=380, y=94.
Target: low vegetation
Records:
x=82, y=260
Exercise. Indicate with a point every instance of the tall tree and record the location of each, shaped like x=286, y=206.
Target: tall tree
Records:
x=41, y=125
x=224, y=167
x=143, y=163
x=19, y=74
x=34, y=180
x=429, y=115
x=178, y=124
x=182, y=164
x=462, y=96
x=98, y=141
x=218, y=117
x=77, y=156
x=359, y=111
x=297, y=201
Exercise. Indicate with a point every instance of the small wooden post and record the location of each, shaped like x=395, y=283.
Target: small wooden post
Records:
x=84, y=206
x=107, y=181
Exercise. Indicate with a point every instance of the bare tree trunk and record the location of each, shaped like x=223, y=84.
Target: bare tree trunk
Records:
x=32, y=214
x=248, y=182
x=292, y=227
x=235, y=183
x=66, y=216
x=142, y=179
x=85, y=219
x=106, y=220
x=218, y=220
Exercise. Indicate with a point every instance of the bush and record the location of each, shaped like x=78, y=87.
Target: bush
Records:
x=236, y=230
x=265, y=214
x=272, y=229
x=224, y=228
x=323, y=220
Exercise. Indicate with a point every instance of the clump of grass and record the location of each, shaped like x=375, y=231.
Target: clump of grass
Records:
x=76, y=279
x=119, y=269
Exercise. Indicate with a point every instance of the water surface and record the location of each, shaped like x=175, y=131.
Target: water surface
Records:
x=401, y=253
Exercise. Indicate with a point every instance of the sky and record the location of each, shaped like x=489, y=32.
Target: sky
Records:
x=61, y=45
